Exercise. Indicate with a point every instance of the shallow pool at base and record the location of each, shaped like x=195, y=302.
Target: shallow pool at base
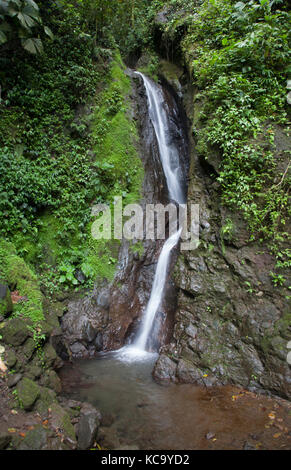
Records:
x=176, y=417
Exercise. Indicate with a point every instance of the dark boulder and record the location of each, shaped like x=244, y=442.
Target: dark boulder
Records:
x=6, y=306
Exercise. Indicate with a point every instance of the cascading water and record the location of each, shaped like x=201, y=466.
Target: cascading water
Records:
x=169, y=156
x=168, y=151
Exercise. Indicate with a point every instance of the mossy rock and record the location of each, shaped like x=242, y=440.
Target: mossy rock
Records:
x=28, y=392
x=36, y=439
x=49, y=355
x=51, y=380
x=15, y=332
x=57, y=309
x=33, y=371
x=45, y=400
x=10, y=359
x=28, y=348
x=46, y=328
x=60, y=419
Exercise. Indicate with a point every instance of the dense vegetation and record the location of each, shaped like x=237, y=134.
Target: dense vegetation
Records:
x=67, y=139
x=238, y=54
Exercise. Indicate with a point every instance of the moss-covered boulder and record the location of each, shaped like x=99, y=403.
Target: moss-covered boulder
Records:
x=60, y=420
x=36, y=439
x=15, y=332
x=10, y=358
x=50, y=355
x=28, y=392
x=45, y=400
x=51, y=380
x=28, y=348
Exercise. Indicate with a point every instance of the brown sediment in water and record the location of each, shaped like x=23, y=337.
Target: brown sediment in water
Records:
x=178, y=417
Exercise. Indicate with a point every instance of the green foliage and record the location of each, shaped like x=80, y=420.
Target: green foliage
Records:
x=17, y=20
x=19, y=276
x=63, y=147
x=277, y=279
x=238, y=54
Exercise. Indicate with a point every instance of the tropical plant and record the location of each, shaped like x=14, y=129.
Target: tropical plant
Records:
x=18, y=19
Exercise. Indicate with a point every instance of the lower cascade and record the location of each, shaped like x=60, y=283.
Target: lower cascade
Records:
x=169, y=156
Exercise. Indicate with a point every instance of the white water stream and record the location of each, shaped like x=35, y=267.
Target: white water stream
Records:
x=170, y=162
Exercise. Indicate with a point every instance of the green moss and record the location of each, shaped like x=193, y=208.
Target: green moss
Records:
x=102, y=258
x=27, y=392
x=56, y=238
x=19, y=276
x=116, y=139
x=137, y=248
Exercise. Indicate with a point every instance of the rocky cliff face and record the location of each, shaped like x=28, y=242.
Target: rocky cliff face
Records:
x=232, y=323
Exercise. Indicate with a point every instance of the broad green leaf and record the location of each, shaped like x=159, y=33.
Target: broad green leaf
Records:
x=32, y=45
x=30, y=11
x=48, y=31
x=25, y=20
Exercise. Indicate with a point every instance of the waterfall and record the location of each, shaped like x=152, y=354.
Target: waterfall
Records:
x=169, y=156
x=157, y=291
x=168, y=151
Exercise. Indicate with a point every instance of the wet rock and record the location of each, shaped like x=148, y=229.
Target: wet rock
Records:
x=81, y=325
x=165, y=369
x=187, y=372
x=108, y=438
x=107, y=420
x=103, y=299
x=98, y=343
x=78, y=349
x=28, y=392
x=88, y=427
x=80, y=276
